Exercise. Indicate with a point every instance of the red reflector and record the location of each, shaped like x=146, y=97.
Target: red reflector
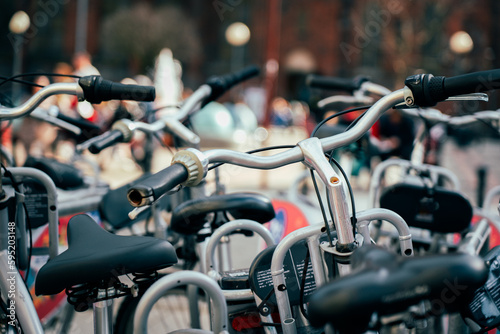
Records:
x=247, y=321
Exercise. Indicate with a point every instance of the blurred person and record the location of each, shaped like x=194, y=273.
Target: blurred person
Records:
x=82, y=63
x=64, y=101
x=82, y=66
x=36, y=137
x=396, y=134
x=281, y=112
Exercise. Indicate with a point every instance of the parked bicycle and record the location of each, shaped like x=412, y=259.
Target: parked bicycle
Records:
x=350, y=230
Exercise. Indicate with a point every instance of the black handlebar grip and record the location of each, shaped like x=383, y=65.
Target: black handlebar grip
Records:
x=89, y=129
x=153, y=187
x=428, y=90
x=96, y=90
x=472, y=83
x=105, y=140
x=334, y=83
x=221, y=84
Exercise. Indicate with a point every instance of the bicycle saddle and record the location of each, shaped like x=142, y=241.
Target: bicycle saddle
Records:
x=94, y=255
x=388, y=284
x=189, y=217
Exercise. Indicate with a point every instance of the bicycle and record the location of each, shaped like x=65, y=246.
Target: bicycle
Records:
x=189, y=209
x=406, y=186
x=420, y=90
x=18, y=307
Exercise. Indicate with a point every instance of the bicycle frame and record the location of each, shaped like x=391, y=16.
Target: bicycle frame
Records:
x=24, y=307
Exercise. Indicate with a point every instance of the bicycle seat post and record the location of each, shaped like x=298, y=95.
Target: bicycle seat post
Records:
x=103, y=313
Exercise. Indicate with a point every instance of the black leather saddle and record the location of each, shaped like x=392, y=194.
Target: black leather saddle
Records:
x=190, y=216
x=386, y=283
x=95, y=255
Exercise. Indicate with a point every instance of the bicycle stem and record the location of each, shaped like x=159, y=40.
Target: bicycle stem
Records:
x=315, y=159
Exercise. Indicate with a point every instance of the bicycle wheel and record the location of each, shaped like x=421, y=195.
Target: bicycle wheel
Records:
x=169, y=313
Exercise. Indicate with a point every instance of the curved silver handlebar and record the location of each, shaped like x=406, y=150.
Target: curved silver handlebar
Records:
x=436, y=116
x=36, y=99
x=359, y=95
x=171, y=123
x=295, y=154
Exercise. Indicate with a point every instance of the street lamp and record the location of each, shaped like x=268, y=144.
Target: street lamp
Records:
x=237, y=35
x=18, y=25
x=461, y=43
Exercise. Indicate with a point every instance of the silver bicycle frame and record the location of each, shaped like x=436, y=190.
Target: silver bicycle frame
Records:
x=213, y=270
x=24, y=308
x=226, y=229
x=51, y=202
x=311, y=235
x=158, y=289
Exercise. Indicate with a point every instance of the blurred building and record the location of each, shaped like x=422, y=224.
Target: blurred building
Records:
x=385, y=39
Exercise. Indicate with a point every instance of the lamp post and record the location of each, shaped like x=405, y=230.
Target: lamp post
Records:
x=81, y=25
x=18, y=25
x=237, y=35
x=460, y=44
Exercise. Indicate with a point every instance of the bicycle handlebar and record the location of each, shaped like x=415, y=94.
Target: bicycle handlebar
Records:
x=428, y=90
x=45, y=116
x=335, y=83
x=296, y=154
x=358, y=96
x=173, y=123
x=157, y=184
x=97, y=90
x=436, y=116
x=91, y=88
x=105, y=140
x=221, y=84
x=86, y=126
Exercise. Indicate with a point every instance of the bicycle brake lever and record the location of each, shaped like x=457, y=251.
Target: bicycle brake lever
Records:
x=469, y=97
x=137, y=211
x=465, y=97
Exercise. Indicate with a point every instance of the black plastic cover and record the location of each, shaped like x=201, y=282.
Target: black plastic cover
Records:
x=390, y=284
x=484, y=309
x=437, y=209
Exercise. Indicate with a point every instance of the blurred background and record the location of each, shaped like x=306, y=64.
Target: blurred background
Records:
x=384, y=39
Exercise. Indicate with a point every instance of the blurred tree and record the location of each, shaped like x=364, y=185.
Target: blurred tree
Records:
x=140, y=32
